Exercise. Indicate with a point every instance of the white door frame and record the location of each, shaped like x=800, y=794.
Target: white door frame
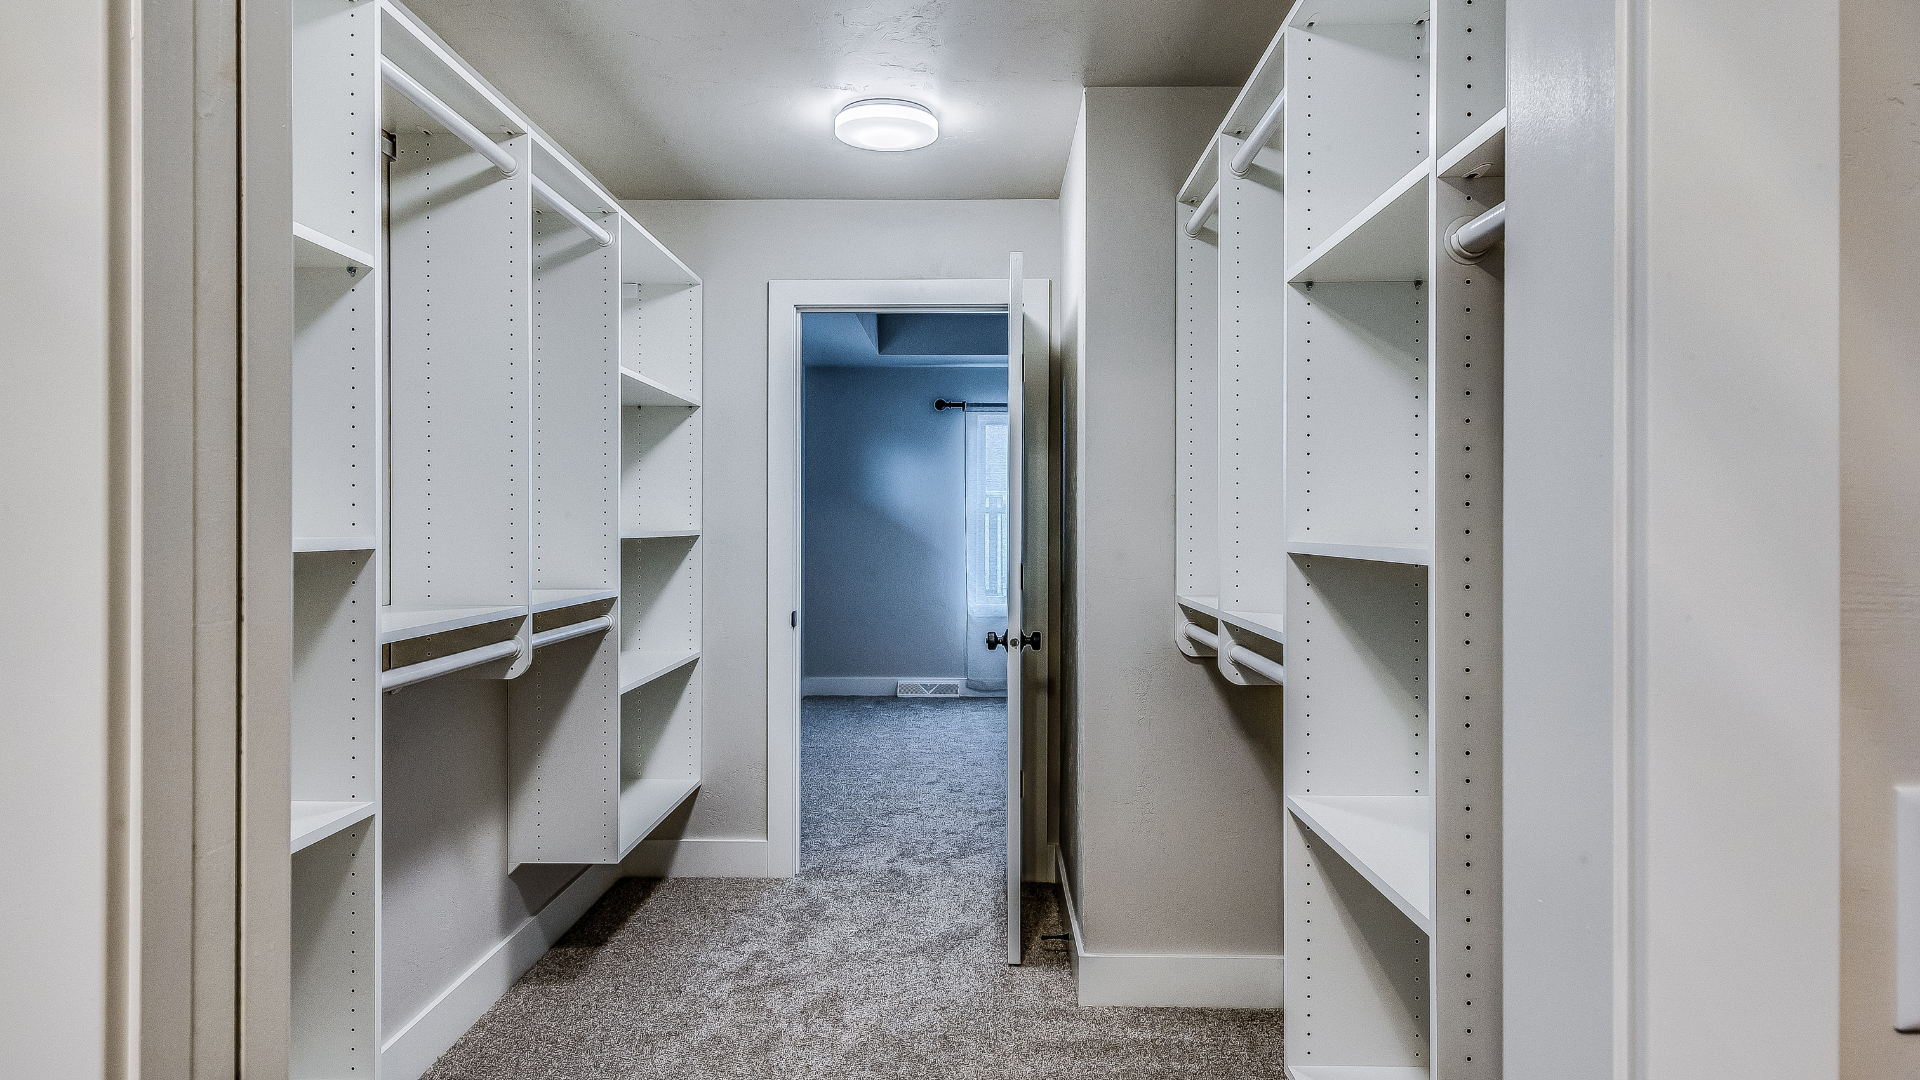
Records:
x=785, y=302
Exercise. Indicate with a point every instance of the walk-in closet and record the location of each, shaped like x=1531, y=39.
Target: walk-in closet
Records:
x=764, y=539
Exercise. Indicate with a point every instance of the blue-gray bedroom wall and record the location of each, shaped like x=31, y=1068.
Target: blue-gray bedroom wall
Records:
x=884, y=557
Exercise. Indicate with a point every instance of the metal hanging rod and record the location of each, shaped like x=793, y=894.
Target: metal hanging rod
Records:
x=1472, y=240
x=446, y=117
x=942, y=405
x=1253, y=661
x=571, y=212
x=1238, y=654
x=1242, y=160
x=566, y=633
x=1203, y=211
x=447, y=665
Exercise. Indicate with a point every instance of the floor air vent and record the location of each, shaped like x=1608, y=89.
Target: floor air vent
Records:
x=937, y=688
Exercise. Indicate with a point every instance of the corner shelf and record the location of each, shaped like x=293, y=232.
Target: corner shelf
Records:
x=1410, y=555
x=639, y=667
x=311, y=247
x=1385, y=242
x=644, y=804
x=302, y=544
x=1483, y=153
x=404, y=625
x=315, y=821
x=637, y=389
x=1387, y=838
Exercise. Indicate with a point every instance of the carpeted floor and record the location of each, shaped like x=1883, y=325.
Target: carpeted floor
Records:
x=883, y=959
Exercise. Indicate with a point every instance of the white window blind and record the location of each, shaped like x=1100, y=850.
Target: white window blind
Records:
x=987, y=554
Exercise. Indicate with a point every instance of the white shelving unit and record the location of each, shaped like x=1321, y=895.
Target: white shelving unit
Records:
x=1339, y=463
x=497, y=381
x=660, y=554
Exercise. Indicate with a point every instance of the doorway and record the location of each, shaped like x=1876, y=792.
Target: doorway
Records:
x=904, y=504
x=789, y=617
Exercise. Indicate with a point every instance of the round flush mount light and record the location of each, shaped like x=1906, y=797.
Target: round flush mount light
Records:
x=889, y=124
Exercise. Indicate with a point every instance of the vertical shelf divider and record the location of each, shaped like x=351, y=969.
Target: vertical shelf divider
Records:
x=335, y=528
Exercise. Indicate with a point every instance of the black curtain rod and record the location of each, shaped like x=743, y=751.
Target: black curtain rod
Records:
x=942, y=405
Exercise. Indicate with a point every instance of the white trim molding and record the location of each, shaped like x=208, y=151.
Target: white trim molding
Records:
x=785, y=302
x=1183, y=980
x=880, y=685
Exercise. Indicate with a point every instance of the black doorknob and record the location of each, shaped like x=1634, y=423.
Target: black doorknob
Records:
x=994, y=641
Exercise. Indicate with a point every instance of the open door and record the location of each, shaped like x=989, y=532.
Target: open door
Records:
x=1015, y=638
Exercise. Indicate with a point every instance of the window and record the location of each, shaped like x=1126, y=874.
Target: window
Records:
x=988, y=563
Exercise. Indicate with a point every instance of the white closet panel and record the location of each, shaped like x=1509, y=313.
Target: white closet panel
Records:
x=1374, y=356
x=496, y=369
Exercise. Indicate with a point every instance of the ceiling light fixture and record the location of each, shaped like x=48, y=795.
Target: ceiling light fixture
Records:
x=889, y=124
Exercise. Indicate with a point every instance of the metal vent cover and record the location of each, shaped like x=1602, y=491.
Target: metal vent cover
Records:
x=928, y=688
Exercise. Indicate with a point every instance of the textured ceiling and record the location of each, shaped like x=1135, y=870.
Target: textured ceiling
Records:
x=703, y=99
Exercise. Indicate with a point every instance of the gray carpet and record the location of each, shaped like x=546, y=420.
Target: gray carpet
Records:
x=883, y=959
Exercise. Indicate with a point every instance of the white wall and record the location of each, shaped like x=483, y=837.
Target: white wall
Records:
x=1172, y=831
x=446, y=899
x=736, y=248
x=1737, y=560
x=55, y=504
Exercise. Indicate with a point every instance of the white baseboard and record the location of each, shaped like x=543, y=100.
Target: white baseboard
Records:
x=414, y=1048
x=700, y=858
x=1178, y=980
x=876, y=686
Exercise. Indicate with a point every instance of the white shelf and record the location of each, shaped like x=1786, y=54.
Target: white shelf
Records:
x=1205, y=605
x=400, y=625
x=659, y=534
x=645, y=260
x=1271, y=625
x=641, y=666
x=1483, y=153
x=1410, y=554
x=637, y=389
x=644, y=804
x=334, y=543
x=312, y=247
x=555, y=599
x=1205, y=174
x=1385, y=242
x=315, y=821
x=1268, y=79
x=1362, y=13
x=1387, y=838
x=1356, y=1073
x=1268, y=624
